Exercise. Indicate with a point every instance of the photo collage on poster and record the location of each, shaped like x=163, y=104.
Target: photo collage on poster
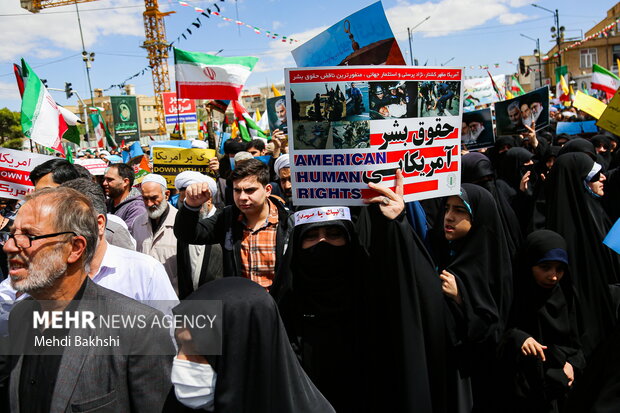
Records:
x=394, y=117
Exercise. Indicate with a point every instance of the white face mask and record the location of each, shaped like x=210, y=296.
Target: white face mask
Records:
x=194, y=383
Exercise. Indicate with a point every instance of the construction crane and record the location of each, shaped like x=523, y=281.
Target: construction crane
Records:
x=155, y=43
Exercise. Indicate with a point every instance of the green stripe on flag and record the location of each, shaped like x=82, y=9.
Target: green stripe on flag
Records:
x=182, y=56
x=600, y=69
x=32, y=99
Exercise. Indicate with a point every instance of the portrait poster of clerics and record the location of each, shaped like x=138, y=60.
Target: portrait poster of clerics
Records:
x=276, y=114
x=343, y=135
x=511, y=116
x=363, y=38
x=477, y=129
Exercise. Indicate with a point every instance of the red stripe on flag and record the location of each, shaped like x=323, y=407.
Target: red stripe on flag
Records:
x=193, y=91
x=412, y=188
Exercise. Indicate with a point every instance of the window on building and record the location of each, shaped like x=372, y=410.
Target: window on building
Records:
x=615, y=51
x=588, y=57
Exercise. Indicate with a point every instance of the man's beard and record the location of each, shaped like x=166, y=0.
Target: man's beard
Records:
x=114, y=193
x=42, y=272
x=158, y=211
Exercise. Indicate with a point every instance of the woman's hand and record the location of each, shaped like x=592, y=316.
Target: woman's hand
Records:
x=532, y=347
x=391, y=203
x=449, y=286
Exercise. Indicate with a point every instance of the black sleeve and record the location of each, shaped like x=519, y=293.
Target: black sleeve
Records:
x=192, y=230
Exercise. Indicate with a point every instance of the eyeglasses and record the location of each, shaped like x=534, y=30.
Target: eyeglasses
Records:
x=24, y=241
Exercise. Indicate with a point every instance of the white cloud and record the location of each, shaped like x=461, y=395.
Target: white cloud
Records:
x=276, y=24
x=448, y=16
x=47, y=33
x=512, y=18
x=520, y=3
x=9, y=91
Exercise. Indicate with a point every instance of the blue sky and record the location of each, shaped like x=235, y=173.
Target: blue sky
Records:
x=470, y=32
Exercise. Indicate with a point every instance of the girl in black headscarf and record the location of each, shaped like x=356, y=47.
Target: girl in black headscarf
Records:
x=541, y=348
x=474, y=265
x=256, y=372
x=477, y=169
x=516, y=171
x=363, y=309
x=574, y=187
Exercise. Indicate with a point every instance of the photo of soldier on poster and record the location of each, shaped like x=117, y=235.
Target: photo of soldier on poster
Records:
x=334, y=101
x=276, y=113
x=477, y=132
x=393, y=100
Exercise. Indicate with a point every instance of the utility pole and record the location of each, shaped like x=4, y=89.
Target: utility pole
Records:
x=557, y=30
x=410, y=37
x=87, y=59
x=537, y=53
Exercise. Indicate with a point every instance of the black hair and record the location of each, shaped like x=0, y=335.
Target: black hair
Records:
x=61, y=170
x=91, y=190
x=232, y=146
x=251, y=167
x=124, y=171
x=82, y=172
x=256, y=144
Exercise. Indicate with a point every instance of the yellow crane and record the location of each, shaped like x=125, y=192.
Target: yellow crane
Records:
x=155, y=43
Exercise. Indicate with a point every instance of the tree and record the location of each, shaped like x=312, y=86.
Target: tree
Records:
x=10, y=126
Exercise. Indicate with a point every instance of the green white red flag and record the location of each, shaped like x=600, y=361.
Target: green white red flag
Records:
x=204, y=76
x=603, y=79
x=41, y=119
x=102, y=134
x=245, y=121
x=516, y=86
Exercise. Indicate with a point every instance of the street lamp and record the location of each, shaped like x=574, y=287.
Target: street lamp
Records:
x=537, y=54
x=557, y=30
x=410, y=35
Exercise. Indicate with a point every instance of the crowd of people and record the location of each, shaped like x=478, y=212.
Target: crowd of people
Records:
x=502, y=298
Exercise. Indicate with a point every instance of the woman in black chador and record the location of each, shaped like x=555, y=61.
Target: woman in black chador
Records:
x=256, y=370
x=474, y=265
x=541, y=348
x=363, y=308
x=574, y=188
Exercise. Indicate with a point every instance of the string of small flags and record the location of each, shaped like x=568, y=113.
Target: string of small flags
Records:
x=603, y=32
x=208, y=12
x=122, y=84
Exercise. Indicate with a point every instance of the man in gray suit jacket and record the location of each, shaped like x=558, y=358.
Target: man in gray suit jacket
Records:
x=53, y=238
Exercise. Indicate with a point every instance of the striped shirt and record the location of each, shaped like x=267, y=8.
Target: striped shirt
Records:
x=258, y=249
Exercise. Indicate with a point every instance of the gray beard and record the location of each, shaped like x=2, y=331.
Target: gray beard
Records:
x=41, y=275
x=159, y=211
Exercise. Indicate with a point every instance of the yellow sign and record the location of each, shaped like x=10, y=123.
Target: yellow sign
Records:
x=610, y=119
x=592, y=106
x=169, y=162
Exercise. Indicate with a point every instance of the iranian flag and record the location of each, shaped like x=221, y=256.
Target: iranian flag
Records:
x=102, y=134
x=41, y=119
x=516, y=86
x=204, y=76
x=603, y=79
x=245, y=121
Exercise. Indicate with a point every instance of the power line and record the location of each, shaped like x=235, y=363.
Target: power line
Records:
x=46, y=64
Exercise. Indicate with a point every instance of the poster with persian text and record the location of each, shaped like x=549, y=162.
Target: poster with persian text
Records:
x=352, y=125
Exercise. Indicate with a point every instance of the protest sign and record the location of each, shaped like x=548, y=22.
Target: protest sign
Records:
x=512, y=115
x=610, y=119
x=477, y=129
x=276, y=113
x=125, y=118
x=592, y=106
x=575, y=128
x=363, y=38
x=337, y=147
x=15, y=168
x=169, y=162
x=96, y=167
x=180, y=111
x=479, y=91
